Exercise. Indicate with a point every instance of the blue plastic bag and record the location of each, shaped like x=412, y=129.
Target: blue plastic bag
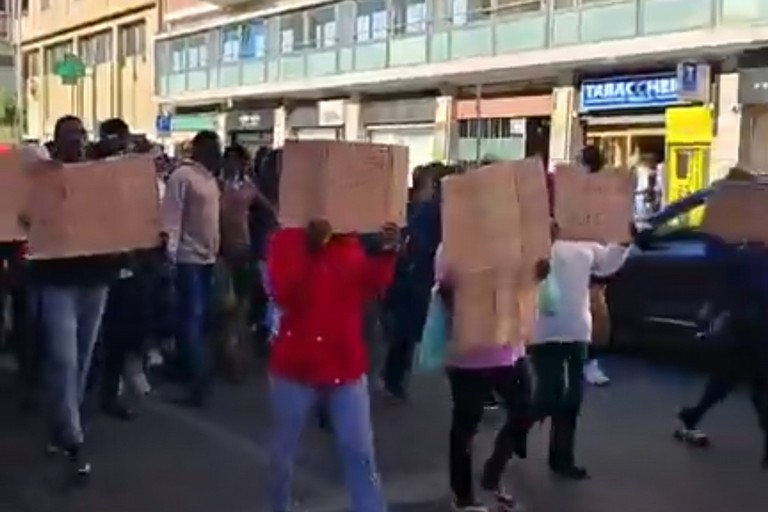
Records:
x=431, y=351
x=549, y=296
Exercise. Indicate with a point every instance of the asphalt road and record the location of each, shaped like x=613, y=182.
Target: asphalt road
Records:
x=172, y=459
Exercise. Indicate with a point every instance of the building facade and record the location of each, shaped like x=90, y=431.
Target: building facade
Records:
x=112, y=39
x=503, y=78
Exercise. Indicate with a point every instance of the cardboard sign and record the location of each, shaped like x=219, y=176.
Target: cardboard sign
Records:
x=596, y=207
x=495, y=228
x=100, y=207
x=14, y=186
x=737, y=212
x=357, y=187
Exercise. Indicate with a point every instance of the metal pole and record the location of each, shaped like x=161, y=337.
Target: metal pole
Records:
x=18, y=62
x=478, y=120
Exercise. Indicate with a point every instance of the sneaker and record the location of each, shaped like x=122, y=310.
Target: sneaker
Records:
x=469, y=506
x=504, y=501
x=491, y=404
x=687, y=432
x=81, y=468
x=595, y=375
x=135, y=377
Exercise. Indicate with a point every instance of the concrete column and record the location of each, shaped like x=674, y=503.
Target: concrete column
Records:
x=444, y=127
x=280, y=129
x=730, y=126
x=353, y=122
x=565, y=136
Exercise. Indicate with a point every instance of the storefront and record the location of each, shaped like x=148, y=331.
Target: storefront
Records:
x=625, y=116
x=405, y=122
x=323, y=120
x=753, y=98
x=184, y=126
x=250, y=128
x=509, y=128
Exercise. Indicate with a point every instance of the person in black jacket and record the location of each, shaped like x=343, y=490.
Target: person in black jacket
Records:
x=740, y=330
x=73, y=292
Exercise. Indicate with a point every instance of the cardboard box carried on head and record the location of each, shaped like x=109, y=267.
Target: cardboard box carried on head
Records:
x=594, y=207
x=91, y=208
x=14, y=187
x=495, y=229
x=736, y=212
x=357, y=187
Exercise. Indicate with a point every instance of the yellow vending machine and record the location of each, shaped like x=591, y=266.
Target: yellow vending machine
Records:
x=689, y=144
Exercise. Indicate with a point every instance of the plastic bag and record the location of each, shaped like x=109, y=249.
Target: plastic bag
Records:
x=431, y=353
x=549, y=296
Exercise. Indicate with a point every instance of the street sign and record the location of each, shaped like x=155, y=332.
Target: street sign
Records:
x=163, y=124
x=693, y=82
x=70, y=69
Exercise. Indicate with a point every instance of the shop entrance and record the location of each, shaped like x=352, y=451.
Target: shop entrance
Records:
x=624, y=146
x=688, y=172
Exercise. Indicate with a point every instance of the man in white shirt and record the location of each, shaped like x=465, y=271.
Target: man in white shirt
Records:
x=562, y=337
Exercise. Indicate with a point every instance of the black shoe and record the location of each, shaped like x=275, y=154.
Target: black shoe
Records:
x=79, y=466
x=118, y=411
x=520, y=443
x=570, y=472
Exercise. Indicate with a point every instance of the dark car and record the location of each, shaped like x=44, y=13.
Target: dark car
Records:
x=661, y=297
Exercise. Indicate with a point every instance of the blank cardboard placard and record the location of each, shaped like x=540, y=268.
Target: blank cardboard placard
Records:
x=595, y=207
x=357, y=187
x=737, y=212
x=101, y=207
x=14, y=186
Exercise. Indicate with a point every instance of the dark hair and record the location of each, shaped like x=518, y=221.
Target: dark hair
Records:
x=63, y=120
x=592, y=158
x=113, y=127
x=237, y=151
x=203, y=138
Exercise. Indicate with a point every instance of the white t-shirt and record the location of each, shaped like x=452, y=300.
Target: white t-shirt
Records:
x=573, y=263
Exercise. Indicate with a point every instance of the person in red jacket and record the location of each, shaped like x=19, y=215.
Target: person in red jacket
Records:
x=322, y=282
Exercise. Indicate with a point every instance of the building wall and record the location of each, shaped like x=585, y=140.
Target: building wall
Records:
x=117, y=51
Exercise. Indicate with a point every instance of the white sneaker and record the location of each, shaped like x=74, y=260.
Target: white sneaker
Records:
x=134, y=377
x=594, y=375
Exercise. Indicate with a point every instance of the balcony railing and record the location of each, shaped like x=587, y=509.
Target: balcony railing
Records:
x=447, y=31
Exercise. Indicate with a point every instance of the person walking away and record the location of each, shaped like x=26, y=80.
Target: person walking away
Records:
x=73, y=293
x=190, y=213
x=499, y=370
x=322, y=283
x=738, y=331
x=407, y=301
x=592, y=158
x=561, y=343
x=239, y=193
x=126, y=324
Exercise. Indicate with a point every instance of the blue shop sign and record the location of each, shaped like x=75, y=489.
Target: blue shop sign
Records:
x=659, y=90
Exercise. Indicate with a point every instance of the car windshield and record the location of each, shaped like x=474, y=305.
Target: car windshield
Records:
x=681, y=216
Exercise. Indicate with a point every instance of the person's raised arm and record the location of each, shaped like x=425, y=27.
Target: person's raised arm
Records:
x=379, y=269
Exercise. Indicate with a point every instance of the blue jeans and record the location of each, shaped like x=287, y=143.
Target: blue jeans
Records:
x=272, y=314
x=70, y=317
x=349, y=411
x=194, y=286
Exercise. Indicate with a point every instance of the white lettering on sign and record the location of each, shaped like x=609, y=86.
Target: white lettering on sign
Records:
x=630, y=92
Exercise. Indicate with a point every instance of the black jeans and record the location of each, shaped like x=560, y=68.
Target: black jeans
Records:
x=470, y=388
x=124, y=332
x=397, y=364
x=558, y=394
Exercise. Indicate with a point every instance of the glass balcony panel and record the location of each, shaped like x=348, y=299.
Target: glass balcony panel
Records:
x=229, y=75
x=371, y=56
x=661, y=16
x=254, y=72
x=197, y=80
x=440, y=47
x=346, y=60
x=609, y=20
x=472, y=41
x=743, y=10
x=321, y=63
x=520, y=33
x=409, y=50
x=565, y=28
x=177, y=82
x=292, y=66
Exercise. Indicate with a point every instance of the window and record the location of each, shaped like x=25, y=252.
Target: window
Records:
x=291, y=32
x=230, y=44
x=322, y=27
x=178, y=60
x=31, y=65
x=133, y=40
x=410, y=16
x=197, y=52
x=55, y=54
x=45, y=4
x=465, y=11
x=518, y=6
x=372, y=20
x=102, y=51
x=253, y=43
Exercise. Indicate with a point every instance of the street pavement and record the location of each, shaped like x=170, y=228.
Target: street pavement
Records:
x=173, y=459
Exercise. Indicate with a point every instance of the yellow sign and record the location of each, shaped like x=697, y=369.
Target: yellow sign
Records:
x=689, y=125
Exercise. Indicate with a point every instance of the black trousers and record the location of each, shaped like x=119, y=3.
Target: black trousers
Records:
x=469, y=391
x=124, y=332
x=397, y=364
x=558, y=395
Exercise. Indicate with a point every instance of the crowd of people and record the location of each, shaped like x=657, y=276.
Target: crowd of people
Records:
x=226, y=277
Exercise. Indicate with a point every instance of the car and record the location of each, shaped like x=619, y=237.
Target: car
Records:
x=659, y=299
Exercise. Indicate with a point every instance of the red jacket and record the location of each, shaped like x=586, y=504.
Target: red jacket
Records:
x=322, y=299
